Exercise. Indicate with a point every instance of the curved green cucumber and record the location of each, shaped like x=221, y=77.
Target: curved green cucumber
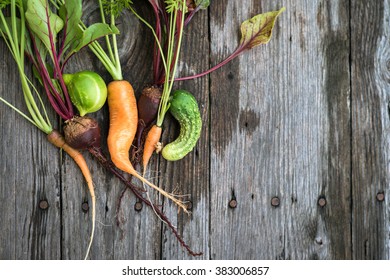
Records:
x=185, y=110
x=87, y=90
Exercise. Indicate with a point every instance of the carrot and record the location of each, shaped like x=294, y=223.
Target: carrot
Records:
x=17, y=37
x=59, y=141
x=123, y=122
x=122, y=106
x=152, y=143
x=147, y=104
x=165, y=58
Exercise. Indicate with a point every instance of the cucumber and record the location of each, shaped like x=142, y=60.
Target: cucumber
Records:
x=185, y=110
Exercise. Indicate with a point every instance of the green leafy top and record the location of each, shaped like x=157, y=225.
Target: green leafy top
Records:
x=202, y=4
x=115, y=8
x=171, y=17
x=71, y=13
x=109, y=57
x=175, y=5
x=46, y=26
x=43, y=23
x=60, y=35
x=176, y=10
x=4, y=3
x=13, y=30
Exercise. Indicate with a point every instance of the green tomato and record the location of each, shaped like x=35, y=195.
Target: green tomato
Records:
x=87, y=90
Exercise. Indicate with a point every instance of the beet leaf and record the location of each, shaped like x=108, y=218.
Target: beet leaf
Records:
x=254, y=32
x=44, y=23
x=76, y=37
x=71, y=13
x=61, y=36
x=258, y=30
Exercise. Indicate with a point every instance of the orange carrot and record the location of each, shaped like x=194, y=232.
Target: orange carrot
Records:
x=123, y=123
x=152, y=143
x=122, y=106
x=58, y=140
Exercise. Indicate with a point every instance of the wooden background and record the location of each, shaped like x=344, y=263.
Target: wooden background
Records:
x=295, y=131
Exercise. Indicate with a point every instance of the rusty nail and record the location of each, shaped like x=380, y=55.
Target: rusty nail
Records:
x=233, y=203
x=322, y=201
x=43, y=204
x=85, y=207
x=380, y=196
x=275, y=201
x=138, y=206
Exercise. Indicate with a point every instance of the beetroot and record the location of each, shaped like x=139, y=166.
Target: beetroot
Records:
x=82, y=132
x=148, y=104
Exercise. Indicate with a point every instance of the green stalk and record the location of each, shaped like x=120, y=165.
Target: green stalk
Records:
x=111, y=60
x=109, y=48
x=42, y=123
x=13, y=25
x=17, y=110
x=16, y=44
x=114, y=42
x=154, y=35
x=170, y=56
x=9, y=42
x=164, y=104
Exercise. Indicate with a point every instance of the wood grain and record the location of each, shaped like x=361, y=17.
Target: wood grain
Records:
x=370, y=122
x=293, y=160
x=285, y=135
x=30, y=174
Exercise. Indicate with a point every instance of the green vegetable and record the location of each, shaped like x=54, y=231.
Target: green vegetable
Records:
x=185, y=110
x=87, y=90
x=13, y=30
x=43, y=22
x=59, y=36
x=174, y=12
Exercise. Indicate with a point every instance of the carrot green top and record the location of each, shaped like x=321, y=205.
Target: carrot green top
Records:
x=176, y=10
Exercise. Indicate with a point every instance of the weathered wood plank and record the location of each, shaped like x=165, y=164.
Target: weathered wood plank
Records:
x=279, y=128
x=140, y=232
x=303, y=120
x=333, y=21
x=190, y=176
x=29, y=174
x=370, y=58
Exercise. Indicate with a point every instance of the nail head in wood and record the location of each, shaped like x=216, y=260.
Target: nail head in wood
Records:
x=138, y=206
x=43, y=204
x=322, y=201
x=275, y=201
x=233, y=203
x=85, y=207
x=380, y=196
